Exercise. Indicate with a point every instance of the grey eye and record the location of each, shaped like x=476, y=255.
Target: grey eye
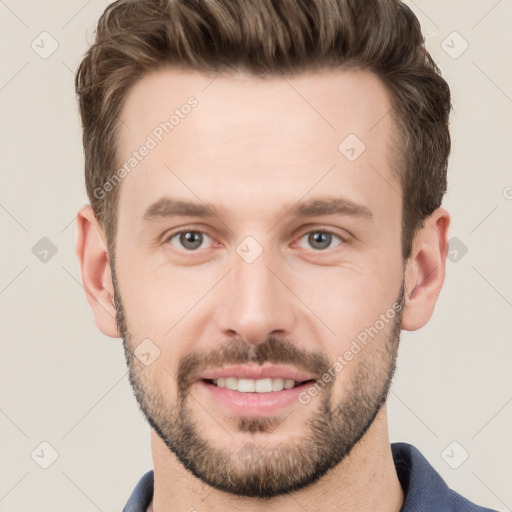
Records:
x=190, y=240
x=320, y=240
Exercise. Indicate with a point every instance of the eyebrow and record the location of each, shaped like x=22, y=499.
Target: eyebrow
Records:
x=171, y=207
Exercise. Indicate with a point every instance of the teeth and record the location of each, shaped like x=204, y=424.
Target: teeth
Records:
x=263, y=386
x=246, y=385
x=251, y=385
x=288, y=383
x=277, y=384
x=231, y=383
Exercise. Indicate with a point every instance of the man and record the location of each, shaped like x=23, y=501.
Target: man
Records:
x=266, y=181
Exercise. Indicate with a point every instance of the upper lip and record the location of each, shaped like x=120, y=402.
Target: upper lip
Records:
x=251, y=372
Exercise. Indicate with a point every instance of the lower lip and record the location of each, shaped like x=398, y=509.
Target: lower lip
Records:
x=253, y=404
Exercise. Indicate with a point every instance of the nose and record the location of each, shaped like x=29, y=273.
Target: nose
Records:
x=256, y=302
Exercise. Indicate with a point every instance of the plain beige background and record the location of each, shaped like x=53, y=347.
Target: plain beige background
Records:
x=65, y=384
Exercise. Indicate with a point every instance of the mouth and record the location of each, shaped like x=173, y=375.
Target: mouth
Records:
x=251, y=397
x=266, y=385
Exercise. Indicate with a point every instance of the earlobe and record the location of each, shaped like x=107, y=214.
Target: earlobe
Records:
x=425, y=270
x=93, y=257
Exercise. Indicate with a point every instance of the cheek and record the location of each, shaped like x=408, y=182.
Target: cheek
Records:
x=156, y=300
x=349, y=299
x=155, y=384
x=361, y=363
x=357, y=304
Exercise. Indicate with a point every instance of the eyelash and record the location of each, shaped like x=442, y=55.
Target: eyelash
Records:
x=343, y=240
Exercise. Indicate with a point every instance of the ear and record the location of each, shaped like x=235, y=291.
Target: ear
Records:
x=425, y=270
x=92, y=254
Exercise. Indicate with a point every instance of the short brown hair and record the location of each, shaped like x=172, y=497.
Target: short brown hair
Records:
x=270, y=37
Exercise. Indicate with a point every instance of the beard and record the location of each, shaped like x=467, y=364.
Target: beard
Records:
x=256, y=468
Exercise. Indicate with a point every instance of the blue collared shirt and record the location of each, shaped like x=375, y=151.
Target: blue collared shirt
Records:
x=424, y=489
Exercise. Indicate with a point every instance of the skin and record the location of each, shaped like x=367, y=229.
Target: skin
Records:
x=253, y=149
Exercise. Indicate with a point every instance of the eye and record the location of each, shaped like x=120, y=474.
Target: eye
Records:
x=321, y=239
x=192, y=240
x=189, y=239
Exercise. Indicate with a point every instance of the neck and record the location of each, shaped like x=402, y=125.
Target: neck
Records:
x=365, y=480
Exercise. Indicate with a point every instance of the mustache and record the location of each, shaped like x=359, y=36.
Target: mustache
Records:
x=235, y=351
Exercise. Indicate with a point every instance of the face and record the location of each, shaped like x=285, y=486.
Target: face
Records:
x=255, y=252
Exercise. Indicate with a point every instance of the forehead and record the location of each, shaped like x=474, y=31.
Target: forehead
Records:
x=251, y=144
